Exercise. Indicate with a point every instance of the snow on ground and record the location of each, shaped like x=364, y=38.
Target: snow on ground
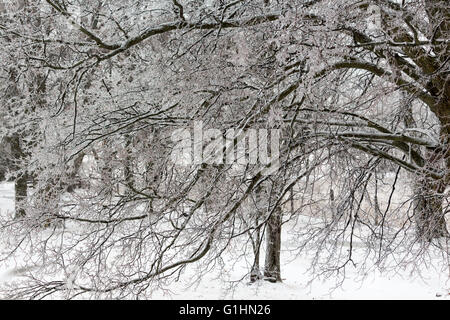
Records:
x=6, y=208
x=296, y=283
x=6, y=197
x=295, y=287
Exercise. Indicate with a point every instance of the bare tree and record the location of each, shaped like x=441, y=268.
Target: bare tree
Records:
x=358, y=89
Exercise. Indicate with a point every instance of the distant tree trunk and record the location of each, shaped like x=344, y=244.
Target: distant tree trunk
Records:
x=128, y=170
x=21, y=192
x=74, y=178
x=272, y=268
x=378, y=214
x=291, y=200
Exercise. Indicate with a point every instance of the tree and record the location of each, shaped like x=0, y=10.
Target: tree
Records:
x=356, y=88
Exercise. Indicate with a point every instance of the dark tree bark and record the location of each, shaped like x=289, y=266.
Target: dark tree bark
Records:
x=255, y=273
x=21, y=192
x=20, y=183
x=272, y=269
x=429, y=211
x=430, y=218
x=128, y=170
x=74, y=178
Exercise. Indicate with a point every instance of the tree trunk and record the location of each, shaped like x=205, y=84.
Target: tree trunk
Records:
x=429, y=217
x=255, y=273
x=74, y=177
x=21, y=191
x=429, y=211
x=16, y=154
x=128, y=170
x=272, y=269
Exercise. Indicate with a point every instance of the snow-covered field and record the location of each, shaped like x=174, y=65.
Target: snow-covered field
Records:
x=431, y=284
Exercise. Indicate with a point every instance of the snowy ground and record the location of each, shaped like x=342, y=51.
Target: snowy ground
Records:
x=430, y=285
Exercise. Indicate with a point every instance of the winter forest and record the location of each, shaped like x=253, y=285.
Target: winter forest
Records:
x=224, y=148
